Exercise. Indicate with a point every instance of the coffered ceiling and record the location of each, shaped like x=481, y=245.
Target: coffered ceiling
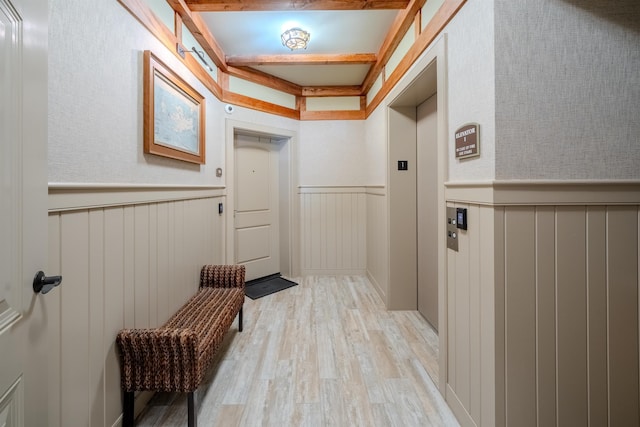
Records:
x=350, y=40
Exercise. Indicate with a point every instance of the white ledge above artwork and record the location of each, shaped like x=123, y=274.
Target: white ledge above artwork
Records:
x=544, y=192
x=77, y=196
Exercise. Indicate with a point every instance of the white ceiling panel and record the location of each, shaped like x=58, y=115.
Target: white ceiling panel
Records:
x=318, y=75
x=258, y=33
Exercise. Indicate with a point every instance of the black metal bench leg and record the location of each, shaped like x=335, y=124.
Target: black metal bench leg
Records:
x=240, y=320
x=127, y=415
x=191, y=409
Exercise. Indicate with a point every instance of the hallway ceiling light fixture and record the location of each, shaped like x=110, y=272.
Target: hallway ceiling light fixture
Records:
x=295, y=38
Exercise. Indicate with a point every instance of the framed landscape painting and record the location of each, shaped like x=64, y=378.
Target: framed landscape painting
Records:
x=174, y=116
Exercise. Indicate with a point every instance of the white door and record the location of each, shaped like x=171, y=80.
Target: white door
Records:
x=23, y=214
x=257, y=244
x=427, y=176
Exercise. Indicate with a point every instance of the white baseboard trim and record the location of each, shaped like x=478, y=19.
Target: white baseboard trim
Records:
x=464, y=418
x=377, y=287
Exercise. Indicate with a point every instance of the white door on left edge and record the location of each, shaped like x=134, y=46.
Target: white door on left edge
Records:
x=257, y=243
x=23, y=212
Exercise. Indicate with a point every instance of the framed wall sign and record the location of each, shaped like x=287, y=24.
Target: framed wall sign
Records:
x=174, y=116
x=467, y=141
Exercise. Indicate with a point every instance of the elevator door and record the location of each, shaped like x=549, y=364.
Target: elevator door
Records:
x=427, y=177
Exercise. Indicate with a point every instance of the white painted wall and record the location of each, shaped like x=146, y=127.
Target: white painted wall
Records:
x=96, y=96
x=470, y=95
x=375, y=134
x=331, y=153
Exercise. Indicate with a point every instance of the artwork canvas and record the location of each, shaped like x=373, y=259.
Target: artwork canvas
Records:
x=174, y=114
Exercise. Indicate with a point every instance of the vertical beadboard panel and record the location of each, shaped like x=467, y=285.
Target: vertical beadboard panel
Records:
x=334, y=225
x=96, y=317
x=597, y=315
x=128, y=270
x=360, y=220
x=571, y=315
x=122, y=265
x=471, y=329
x=113, y=307
x=501, y=317
x=376, y=242
x=323, y=227
x=474, y=310
x=74, y=336
x=315, y=260
x=53, y=306
x=179, y=256
x=141, y=266
x=174, y=300
x=163, y=264
x=452, y=324
x=586, y=348
x=488, y=319
x=462, y=319
x=343, y=225
x=305, y=230
x=520, y=323
x=153, y=265
x=331, y=231
x=622, y=280
x=545, y=257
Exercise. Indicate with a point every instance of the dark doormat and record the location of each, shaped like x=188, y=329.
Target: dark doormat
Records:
x=267, y=285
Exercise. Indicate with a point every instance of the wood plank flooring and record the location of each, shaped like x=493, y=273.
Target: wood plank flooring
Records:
x=324, y=353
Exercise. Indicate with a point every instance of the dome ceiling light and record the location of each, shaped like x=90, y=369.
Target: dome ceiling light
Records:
x=295, y=38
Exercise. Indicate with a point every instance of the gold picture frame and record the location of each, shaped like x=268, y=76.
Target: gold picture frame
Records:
x=174, y=114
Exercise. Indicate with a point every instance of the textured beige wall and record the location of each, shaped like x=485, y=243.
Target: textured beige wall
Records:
x=567, y=89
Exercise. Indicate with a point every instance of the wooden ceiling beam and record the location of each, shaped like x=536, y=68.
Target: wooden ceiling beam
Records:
x=331, y=91
x=401, y=24
x=194, y=22
x=301, y=59
x=265, y=79
x=266, y=5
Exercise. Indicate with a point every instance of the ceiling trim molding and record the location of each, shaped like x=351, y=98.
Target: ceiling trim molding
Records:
x=302, y=59
x=265, y=79
x=269, y=5
x=404, y=20
x=148, y=19
x=195, y=24
x=220, y=89
x=259, y=105
x=320, y=91
x=442, y=17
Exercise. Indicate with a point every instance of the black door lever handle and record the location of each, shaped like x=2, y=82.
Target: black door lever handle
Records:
x=43, y=284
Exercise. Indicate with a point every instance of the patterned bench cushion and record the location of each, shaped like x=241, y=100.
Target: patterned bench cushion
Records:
x=175, y=357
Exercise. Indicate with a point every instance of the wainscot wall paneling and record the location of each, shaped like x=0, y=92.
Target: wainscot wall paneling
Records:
x=377, y=246
x=563, y=334
x=129, y=265
x=471, y=324
x=333, y=230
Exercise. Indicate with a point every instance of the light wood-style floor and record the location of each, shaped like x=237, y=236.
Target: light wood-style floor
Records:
x=324, y=353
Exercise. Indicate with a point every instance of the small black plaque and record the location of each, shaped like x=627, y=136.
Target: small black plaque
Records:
x=403, y=165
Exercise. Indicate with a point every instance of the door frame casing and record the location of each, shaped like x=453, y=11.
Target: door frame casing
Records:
x=436, y=56
x=290, y=147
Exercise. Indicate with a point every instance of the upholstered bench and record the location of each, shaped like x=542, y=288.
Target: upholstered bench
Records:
x=176, y=356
